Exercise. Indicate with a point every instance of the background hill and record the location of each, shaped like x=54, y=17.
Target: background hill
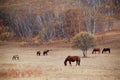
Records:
x=50, y=20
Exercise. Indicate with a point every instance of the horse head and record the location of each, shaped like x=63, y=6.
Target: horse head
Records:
x=67, y=59
x=65, y=63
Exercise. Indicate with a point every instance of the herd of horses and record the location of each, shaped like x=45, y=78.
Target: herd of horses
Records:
x=45, y=53
x=98, y=50
x=69, y=59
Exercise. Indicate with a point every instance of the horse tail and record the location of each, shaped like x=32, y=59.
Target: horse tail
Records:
x=79, y=61
x=92, y=51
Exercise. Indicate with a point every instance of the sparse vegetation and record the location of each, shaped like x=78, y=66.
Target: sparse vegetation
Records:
x=51, y=67
x=17, y=72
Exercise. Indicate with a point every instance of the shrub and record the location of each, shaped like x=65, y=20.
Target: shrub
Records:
x=83, y=41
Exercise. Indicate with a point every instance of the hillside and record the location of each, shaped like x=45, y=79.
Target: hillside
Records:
x=48, y=20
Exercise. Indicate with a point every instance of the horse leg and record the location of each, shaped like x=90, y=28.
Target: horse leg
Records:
x=92, y=52
x=13, y=58
x=78, y=62
x=43, y=54
x=102, y=51
x=46, y=54
x=17, y=58
x=70, y=63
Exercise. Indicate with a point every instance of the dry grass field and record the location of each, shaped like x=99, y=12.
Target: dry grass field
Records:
x=51, y=67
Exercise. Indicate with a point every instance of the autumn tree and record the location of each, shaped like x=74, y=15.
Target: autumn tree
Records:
x=83, y=41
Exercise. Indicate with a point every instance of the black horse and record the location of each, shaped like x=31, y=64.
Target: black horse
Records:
x=46, y=52
x=38, y=53
x=15, y=57
x=72, y=59
x=106, y=50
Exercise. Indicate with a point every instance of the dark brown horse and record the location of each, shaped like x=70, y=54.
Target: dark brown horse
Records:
x=38, y=53
x=106, y=50
x=15, y=57
x=96, y=50
x=46, y=52
x=72, y=59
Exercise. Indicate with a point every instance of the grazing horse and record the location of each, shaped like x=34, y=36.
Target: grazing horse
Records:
x=15, y=57
x=72, y=59
x=106, y=50
x=96, y=50
x=38, y=53
x=46, y=52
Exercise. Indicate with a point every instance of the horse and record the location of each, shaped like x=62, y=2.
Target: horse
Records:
x=15, y=57
x=106, y=50
x=96, y=50
x=46, y=52
x=38, y=53
x=72, y=59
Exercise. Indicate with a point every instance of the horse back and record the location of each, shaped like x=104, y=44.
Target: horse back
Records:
x=96, y=49
x=106, y=49
x=74, y=58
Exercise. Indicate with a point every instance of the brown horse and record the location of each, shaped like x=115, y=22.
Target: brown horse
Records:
x=72, y=59
x=46, y=52
x=38, y=53
x=96, y=50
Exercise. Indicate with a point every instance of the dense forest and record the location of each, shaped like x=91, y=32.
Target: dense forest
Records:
x=46, y=20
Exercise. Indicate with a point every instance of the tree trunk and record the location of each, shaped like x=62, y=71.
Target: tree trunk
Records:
x=85, y=53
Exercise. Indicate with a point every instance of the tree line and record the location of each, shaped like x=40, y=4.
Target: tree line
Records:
x=84, y=15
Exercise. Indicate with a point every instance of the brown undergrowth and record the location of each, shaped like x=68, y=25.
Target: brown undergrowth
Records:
x=15, y=71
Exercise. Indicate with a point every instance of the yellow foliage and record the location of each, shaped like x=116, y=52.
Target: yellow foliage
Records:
x=107, y=6
x=6, y=34
x=23, y=43
x=37, y=39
